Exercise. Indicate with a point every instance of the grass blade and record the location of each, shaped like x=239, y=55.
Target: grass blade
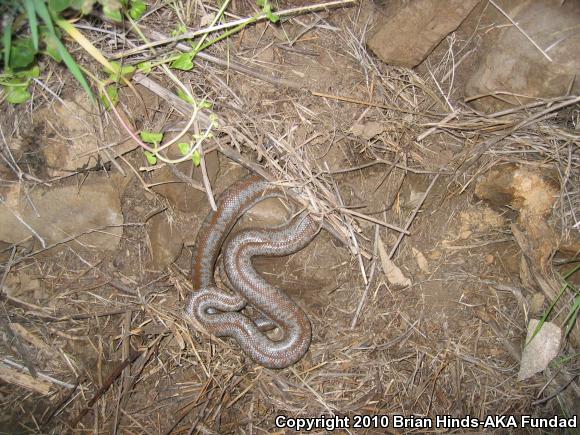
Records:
x=7, y=39
x=86, y=44
x=70, y=63
x=574, y=311
x=32, y=21
x=572, y=316
x=74, y=68
x=43, y=13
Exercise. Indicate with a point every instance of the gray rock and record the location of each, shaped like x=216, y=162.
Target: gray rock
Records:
x=411, y=30
x=541, y=350
x=181, y=196
x=165, y=241
x=77, y=143
x=60, y=213
x=510, y=63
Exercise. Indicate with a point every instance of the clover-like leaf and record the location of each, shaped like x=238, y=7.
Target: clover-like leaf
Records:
x=145, y=67
x=183, y=62
x=59, y=5
x=22, y=53
x=17, y=94
x=151, y=137
x=51, y=45
x=138, y=9
x=183, y=148
x=112, y=10
x=120, y=71
x=151, y=158
x=179, y=30
x=113, y=93
x=196, y=158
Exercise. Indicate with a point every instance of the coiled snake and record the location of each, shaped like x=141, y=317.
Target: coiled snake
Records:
x=219, y=311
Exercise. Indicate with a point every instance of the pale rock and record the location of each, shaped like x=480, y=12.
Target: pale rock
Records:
x=537, y=303
x=509, y=63
x=181, y=196
x=540, y=351
x=410, y=30
x=60, y=213
x=165, y=241
x=75, y=145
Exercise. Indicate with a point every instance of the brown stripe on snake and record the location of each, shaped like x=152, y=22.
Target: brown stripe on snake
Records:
x=217, y=310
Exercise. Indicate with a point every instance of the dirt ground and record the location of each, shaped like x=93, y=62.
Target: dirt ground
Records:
x=435, y=327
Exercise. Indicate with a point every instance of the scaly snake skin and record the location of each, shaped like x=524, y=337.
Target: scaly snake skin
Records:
x=217, y=310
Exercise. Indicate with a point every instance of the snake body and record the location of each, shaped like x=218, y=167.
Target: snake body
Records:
x=219, y=311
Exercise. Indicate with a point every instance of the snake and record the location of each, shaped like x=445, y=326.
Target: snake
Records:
x=217, y=310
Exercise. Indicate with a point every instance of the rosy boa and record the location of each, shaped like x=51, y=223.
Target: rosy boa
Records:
x=219, y=311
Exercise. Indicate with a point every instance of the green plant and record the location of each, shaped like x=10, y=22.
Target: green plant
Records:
x=187, y=150
x=23, y=39
x=153, y=139
x=572, y=316
x=44, y=18
x=184, y=61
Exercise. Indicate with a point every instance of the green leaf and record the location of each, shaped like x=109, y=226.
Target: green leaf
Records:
x=120, y=71
x=51, y=46
x=196, y=157
x=113, y=93
x=206, y=105
x=267, y=10
x=17, y=94
x=273, y=17
x=179, y=30
x=32, y=21
x=151, y=158
x=138, y=8
x=112, y=10
x=78, y=4
x=184, y=62
x=22, y=53
x=185, y=97
x=84, y=6
x=58, y=5
x=150, y=137
x=183, y=148
x=214, y=120
x=145, y=67
x=31, y=73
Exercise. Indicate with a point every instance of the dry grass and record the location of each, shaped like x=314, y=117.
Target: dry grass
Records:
x=112, y=353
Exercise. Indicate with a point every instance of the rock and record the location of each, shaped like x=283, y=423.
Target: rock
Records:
x=421, y=260
x=530, y=191
x=74, y=145
x=411, y=30
x=22, y=285
x=541, y=350
x=537, y=303
x=165, y=241
x=510, y=63
x=413, y=190
x=270, y=212
x=393, y=273
x=181, y=196
x=63, y=212
x=367, y=130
